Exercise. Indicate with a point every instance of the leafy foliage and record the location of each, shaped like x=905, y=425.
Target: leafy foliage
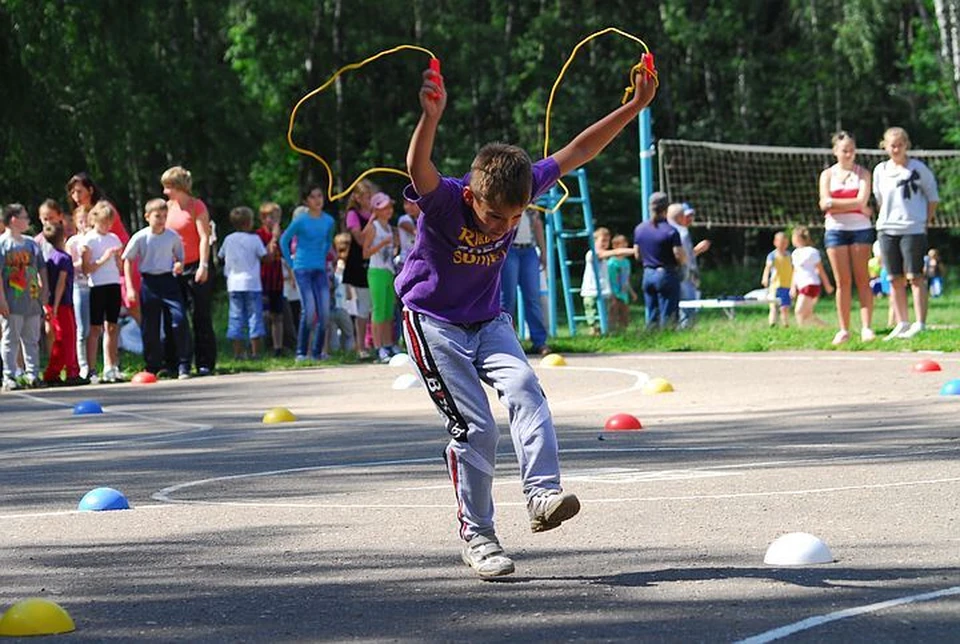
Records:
x=125, y=89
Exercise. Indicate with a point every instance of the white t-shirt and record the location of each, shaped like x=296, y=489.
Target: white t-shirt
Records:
x=290, y=291
x=406, y=239
x=241, y=253
x=383, y=258
x=805, y=260
x=108, y=273
x=903, y=194
x=588, y=287
x=74, y=248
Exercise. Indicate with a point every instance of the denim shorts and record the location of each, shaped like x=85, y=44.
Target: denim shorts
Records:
x=835, y=238
x=782, y=296
x=903, y=254
x=245, y=314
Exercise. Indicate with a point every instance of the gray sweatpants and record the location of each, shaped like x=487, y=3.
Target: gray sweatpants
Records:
x=453, y=362
x=20, y=331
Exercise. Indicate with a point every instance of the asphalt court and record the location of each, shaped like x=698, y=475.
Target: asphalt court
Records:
x=341, y=526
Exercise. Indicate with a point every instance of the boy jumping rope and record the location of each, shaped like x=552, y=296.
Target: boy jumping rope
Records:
x=455, y=331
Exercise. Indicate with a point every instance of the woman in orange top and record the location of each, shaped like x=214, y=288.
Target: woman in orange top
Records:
x=188, y=217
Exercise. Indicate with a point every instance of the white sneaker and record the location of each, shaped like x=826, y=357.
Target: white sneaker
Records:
x=915, y=329
x=550, y=509
x=897, y=331
x=486, y=557
x=842, y=336
x=867, y=335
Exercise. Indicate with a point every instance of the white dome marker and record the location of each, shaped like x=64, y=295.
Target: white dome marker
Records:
x=797, y=549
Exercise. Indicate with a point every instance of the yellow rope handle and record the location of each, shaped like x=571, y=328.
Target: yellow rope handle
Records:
x=326, y=84
x=563, y=70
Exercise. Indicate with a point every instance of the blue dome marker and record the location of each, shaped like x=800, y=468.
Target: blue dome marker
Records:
x=85, y=407
x=951, y=388
x=103, y=498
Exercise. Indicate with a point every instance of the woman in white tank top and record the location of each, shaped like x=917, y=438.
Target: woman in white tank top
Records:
x=844, y=192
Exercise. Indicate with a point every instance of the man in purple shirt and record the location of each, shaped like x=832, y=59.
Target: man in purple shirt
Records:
x=455, y=331
x=661, y=253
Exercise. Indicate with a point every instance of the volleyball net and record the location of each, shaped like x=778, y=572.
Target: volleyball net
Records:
x=746, y=186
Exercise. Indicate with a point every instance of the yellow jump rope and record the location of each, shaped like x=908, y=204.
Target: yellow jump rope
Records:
x=646, y=64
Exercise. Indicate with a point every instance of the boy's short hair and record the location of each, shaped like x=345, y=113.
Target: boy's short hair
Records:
x=101, y=211
x=617, y=239
x=602, y=230
x=53, y=233
x=241, y=218
x=502, y=175
x=12, y=210
x=52, y=204
x=153, y=205
x=341, y=239
x=177, y=177
x=270, y=208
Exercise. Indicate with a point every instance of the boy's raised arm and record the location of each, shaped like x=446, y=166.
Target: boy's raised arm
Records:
x=433, y=100
x=595, y=138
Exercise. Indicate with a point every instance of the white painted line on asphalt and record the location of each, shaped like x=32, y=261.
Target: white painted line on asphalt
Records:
x=73, y=446
x=164, y=494
x=57, y=513
x=641, y=379
x=820, y=620
x=744, y=495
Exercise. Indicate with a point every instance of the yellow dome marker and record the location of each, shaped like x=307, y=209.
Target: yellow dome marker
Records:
x=278, y=415
x=657, y=386
x=35, y=616
x=553, y=360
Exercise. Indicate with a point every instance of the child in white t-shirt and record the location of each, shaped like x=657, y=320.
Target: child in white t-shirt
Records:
x=100, y=251
x=241, y=252
x=808, y=278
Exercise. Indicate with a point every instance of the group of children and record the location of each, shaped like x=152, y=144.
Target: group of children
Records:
x=266, y=270
x=41, y=279
x=796, y=279
x=306, y=266
x=613, y=260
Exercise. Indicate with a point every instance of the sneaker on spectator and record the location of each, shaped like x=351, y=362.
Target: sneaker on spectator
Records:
x=842, y=336
x=94, y=379
x=485, y=555
x=109, y=375
x=897, y=331
x=549, y=509
x=204, y=371
x=10, y=385
x=76, y=381
x=915, y=329
x=183, y=373
x=383, y=355
x=867, y=334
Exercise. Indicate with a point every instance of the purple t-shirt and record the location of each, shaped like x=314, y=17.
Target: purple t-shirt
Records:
x=656, y=242
x=60, y=262
x=453, y=271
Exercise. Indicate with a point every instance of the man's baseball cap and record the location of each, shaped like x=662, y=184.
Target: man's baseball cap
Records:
x=659, y=201
x=687, y=208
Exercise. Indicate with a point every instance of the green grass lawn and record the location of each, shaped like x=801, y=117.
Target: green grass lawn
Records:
x=747, y=331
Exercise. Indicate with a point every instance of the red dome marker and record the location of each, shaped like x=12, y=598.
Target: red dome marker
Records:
x=925, y=366
x=622, y=422
x=143, y=378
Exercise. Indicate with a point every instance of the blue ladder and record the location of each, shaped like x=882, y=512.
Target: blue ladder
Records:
x=557, y=238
